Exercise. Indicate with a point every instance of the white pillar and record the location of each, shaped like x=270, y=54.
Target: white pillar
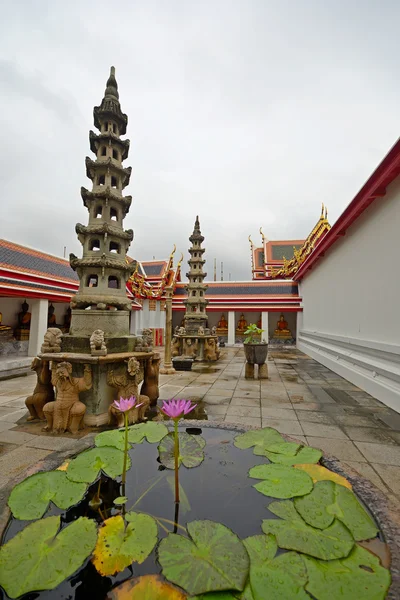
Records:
x=264, y=325
x=39, y=311
x=299, y=325
x=231, y=328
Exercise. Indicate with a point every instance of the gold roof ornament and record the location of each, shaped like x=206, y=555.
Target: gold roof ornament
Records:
x=262, y=236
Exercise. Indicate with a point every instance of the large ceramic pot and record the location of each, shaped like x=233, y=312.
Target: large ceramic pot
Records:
x=256, y=354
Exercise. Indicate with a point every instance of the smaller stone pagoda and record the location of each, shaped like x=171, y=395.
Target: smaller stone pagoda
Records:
x=195, y=340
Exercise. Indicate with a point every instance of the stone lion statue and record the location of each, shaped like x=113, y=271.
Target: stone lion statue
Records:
x=43, y=391
x=175, y=346
x=97, y=343
x=52, y=340
x=67, y=411
x=201, y=330
x=211, y=351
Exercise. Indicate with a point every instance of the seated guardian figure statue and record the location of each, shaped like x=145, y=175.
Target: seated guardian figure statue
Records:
x=66, y=412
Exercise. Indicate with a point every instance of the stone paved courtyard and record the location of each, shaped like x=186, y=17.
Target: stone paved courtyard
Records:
x=301, y=398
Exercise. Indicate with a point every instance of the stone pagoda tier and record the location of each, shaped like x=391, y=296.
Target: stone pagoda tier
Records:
x=104, y=269
x=196, y=301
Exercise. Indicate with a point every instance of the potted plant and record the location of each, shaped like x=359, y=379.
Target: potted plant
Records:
x=255, y=348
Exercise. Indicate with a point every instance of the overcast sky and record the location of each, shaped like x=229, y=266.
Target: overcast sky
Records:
x=247, y=112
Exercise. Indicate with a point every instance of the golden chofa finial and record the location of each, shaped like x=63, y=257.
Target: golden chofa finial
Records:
x=326, y=212
x=251, y=241
x=322, y=211
x=180, y=261
x=262, y=235
x=171, y=256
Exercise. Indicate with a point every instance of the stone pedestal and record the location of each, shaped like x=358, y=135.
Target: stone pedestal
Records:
x=249, y=371
x=168, y=368
x=263, y=371
x=114, y=323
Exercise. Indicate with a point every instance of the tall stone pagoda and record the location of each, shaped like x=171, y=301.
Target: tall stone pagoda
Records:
x=195, y=340
x=196, y=301
x=103, y=269
x=99, y=345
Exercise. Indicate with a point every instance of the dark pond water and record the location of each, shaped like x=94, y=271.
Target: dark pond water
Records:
x=218, y=489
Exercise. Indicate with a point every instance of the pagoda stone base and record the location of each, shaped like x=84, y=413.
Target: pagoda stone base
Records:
x=113, y=322
x=196, y=347
x=81, y=344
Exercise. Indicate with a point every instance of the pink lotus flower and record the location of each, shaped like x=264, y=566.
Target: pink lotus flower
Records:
x=175, y=409
x=126, y=404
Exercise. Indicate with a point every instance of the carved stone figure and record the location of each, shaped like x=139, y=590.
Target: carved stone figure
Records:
x=52, y=340
x=211, y=351
x=147, y=338
x=176, y=346
x=201, y=330
x=190, y=348
x=67, y=411
x=182, y=331
x=97, y=344
x=127, y=385
x=176, y=330
x=213, y=330
x=151, y=375
x=43, y=391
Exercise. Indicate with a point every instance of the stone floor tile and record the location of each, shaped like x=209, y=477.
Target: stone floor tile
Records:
x=253, y=421
x=7, y=399
x=217, y=409
x=214, y=391
x=212, y=399
x=314, y=406
x=169, y=391
x=4, y=425
x=390, y=475
x=271, y=412
x=225, y=385
x=15, y=462
x=367, y=471
x=299, y=438
x=392, y=420
x=240, y=401
x=246, y=394
x=283, y=426
x=15, y=437
x=380, y=453
x=341, y=449
x=14, y=416
x=356, y=421
x=370, y=434
x=319, y=430
x=244, y=411
x=6, y=409
x=314, y=417
x=50, y=443
x=267, y=402
x=320, y=394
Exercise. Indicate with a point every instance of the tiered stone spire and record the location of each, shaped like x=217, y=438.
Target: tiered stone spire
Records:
x=196, y=302
x=103, y=269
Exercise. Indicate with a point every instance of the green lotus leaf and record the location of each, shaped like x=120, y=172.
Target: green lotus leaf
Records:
x=304, y=455
x=260, y=548
x=329, y=500
x=190, y=450
x=284, y=510
x=40, y=557
x=285, y=448
x=282, y=578
x=360, y=575
x=213, y=559
x=30, y=498
x=87, y=465
x=153, y=431
x=334, y=542
x=118, y=545
x=216, y=596
x=120, y=500
x=260, y=438
x=281, y=481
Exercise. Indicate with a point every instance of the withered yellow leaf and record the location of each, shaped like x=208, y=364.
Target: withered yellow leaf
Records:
x=147, y=587
x=320, y=473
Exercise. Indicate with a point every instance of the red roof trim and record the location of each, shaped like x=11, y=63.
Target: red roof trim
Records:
x=373, y=189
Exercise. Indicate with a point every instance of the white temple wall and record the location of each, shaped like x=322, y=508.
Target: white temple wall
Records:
x=351, y=320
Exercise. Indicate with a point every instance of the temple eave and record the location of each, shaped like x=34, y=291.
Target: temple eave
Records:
x=96, y=139
x=106, y=194
x=107, y=110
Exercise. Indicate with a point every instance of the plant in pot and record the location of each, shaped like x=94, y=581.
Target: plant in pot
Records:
x=255, y=347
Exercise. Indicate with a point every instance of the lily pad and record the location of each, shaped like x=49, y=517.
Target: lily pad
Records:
x=281, y=481
x=119, y=545
x=282, y=578
x=285, y=448
x=328, y=501
x=190, y=450
x=147, y=587
x=306, y=454
x=320, y=473
x=30, y=499
x=285, y=510
x=213, y=553
x=260, y=438
x=40, y=558
x=87, y=465
x=153, y=431
x=217, y=596
x=358, y=576
x=260, y=548
x=121, y=500
x=334, y=542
